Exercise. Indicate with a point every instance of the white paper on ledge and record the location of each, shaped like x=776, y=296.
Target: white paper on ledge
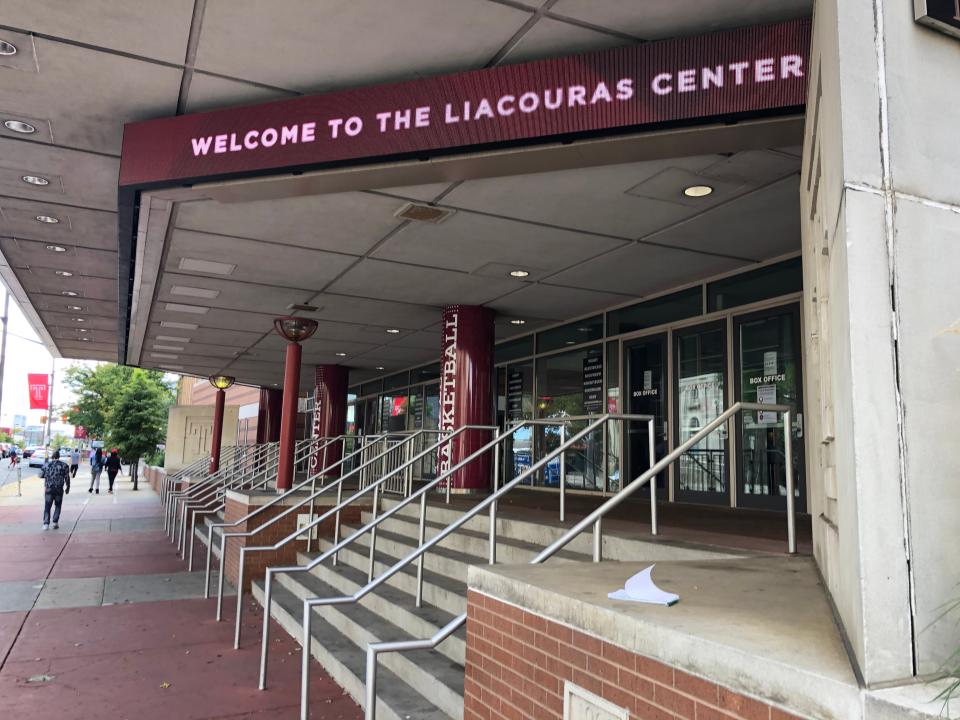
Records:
x=641, y=588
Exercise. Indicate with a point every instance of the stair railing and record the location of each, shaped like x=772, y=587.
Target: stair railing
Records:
x=279, y=498
x=195, y=488
x=594, y=519
x=332, y=512
x=424, y=546
x=171, y=478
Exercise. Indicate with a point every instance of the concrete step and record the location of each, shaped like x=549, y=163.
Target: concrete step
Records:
x=399, y=696
x=541, y=534
x=390, y=602
x=439, y=590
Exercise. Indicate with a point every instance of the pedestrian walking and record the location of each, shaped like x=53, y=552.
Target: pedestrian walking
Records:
x=74, y=462
x=113, y=467
x=55, y=476
x=14, y=459
x=96, y=467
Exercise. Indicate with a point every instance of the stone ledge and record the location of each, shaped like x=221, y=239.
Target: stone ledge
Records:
x=761, y=626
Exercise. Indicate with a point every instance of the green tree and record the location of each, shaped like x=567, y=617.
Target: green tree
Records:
x=137, y=421
x=5, y=437
x=97, y=390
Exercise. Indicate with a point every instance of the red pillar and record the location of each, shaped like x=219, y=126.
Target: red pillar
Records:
x=466, y=386
x=217, y=430
x=330, y=415
x=288, y=416
x=268, y=415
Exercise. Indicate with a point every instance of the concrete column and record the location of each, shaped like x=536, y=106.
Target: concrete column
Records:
x=466, y=386
x=215, y=441
x=268, y=415
x=330, y=414
x=880, y=213
x=288, y=416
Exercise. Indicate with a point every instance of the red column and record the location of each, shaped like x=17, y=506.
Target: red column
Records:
x=466, y=386
x=217, y=431
x=330, y=415
x=268, y=415
x=288, y=416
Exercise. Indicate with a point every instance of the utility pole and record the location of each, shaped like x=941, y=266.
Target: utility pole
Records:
x=53, y=377
x=3, y=344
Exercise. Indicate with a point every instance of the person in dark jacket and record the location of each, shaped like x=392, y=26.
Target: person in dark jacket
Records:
x=113, y=467
x=96, y=467
x=56, y=475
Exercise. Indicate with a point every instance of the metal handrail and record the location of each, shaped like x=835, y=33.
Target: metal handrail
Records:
x=594, y=518
x=309, y=603
x=308, y=528
x=261, y=508
x=176, y=476
x=194, y=489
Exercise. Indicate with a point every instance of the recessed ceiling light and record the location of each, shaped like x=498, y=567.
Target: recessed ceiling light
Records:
x=35, y=180
x=49, y=219
x=194, y=292
x=69, y=293
x=163, y=356
x=571, y=342
x=64, y=273
x=518, y=322
x=19, y=126
x=393, y=331
x=340, y=354
x=194, y=309
x=79, y=320
x=172, y=338
x=74, y=307
x=379, y=367
x=583, y=329
x=696, y=191
x=7, y=48
x=519, y=273
x=177, y=348
x=56, y=248
x=206, y=266
x=83, y=330
x=84, y=339
x=178, y=325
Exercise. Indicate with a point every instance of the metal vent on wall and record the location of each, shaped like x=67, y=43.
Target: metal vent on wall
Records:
x=423, y=213
x=303, y=308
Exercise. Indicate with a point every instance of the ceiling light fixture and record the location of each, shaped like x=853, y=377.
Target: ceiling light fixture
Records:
x=194, y=309
x=56, y=248
x=173, y=338
x=83, y=330
x=518, y=322
x=7, y=48
x=221, y=382
x=19, y=126
x=74, y=307
x=79, y=320
x=194, y=292
x=295, y=329
x=69, y=293
x=178, y=325
x=84, y=339
x=163, y=356
x=393, y=331
x=49, y=219
x=340, y=354
x=64, y=273
x=571, y=342
x=519, y=273
x=379, y=367
x=35, y=180
x=697, y=191
x=175, y=348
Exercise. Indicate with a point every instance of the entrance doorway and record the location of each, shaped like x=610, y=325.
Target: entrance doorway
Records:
x=700, y=369
x=645, y=374
x=768, y=371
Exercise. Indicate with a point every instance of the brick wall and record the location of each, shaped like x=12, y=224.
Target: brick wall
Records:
x=517, y=663
x=255, y=564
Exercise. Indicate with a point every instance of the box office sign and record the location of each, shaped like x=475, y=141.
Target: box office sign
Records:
x=747, y=70
x=942, y=15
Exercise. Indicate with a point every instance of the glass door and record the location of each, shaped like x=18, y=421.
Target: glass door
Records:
x=645, y=371
x=768, y=371
x=700, y=362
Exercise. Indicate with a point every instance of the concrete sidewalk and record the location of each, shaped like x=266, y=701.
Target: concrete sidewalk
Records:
x=100, y=619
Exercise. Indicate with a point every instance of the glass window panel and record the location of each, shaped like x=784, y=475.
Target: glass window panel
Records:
x=400, y=380
x=613, y=430
x=371, y=388
x=767, y=282
x=394, y=409
x=513, y=349
x=659, y=311
x=515, y=403
x=425, y=373
x=574, y=333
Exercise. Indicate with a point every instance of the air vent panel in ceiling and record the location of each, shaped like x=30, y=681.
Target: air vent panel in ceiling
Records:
x=423, y=213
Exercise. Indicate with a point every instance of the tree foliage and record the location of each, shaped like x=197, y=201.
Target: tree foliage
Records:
x=137, y=422
x=99, y=389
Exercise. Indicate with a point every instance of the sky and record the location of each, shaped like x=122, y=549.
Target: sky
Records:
x=26, y=354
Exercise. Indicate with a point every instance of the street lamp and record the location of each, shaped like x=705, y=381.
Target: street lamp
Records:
x=221, y=383
x=294, y=330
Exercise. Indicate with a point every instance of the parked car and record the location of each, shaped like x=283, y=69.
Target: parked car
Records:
x=39, y=456
x=29, y=450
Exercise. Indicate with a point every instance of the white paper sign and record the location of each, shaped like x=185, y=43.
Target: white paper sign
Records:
x=770, y=363
x=647, y=379
x=766, y=395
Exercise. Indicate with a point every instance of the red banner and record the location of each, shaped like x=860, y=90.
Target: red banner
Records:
x=39, y=388
x=80, y=432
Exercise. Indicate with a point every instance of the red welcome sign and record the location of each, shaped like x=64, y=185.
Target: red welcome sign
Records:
x=38, y=386
x=724, y=74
